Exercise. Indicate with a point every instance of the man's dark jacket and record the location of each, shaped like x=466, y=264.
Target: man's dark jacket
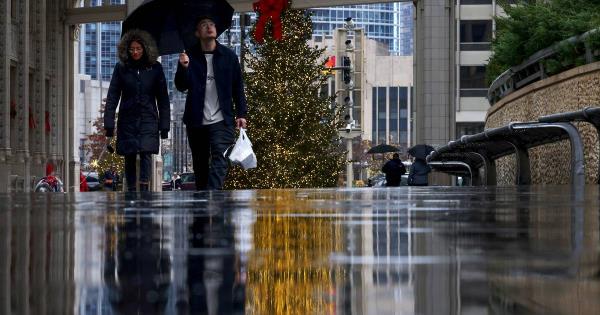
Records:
x=228, y=78
x=394, y=169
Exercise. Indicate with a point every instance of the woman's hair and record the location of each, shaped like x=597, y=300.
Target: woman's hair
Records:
x=144, y=39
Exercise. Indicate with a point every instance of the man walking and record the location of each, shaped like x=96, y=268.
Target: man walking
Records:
x=394, y=169
x=212, y=77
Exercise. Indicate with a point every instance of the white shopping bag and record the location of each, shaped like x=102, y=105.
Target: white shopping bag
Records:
x=242, y=153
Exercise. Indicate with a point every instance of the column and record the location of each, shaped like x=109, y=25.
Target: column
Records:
x=37, y=145
x=70, y=143
x=4, y=91
x=133, y=4
x=20, y=289
x=39, y=241
x=434, y=72
x=5, y=260
x=54, y=69
x=20, y=162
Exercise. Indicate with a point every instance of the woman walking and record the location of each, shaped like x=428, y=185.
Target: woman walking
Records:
x=138, y=81
x=419, y=173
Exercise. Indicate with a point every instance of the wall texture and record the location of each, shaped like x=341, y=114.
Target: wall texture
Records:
x=571, y=90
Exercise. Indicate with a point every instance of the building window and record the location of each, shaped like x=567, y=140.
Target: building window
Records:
x=463, y=129
x=393, y=115
x=13, y=9
x=462, y=2
x=374, y=114
x=475, y=35
x=381, y=115
x=472, y=81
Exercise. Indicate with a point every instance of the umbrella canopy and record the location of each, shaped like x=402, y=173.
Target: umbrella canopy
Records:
x=382, y=148
x=172, y=23
x=420, y=151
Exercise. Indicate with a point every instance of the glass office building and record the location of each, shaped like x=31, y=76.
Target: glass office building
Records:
x=98, y=48
x=390, y=23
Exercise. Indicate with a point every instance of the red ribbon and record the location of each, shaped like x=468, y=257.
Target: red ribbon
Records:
x=32, y=122
x=269, y=9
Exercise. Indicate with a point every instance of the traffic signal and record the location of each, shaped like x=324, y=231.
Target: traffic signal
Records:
x=346, y=72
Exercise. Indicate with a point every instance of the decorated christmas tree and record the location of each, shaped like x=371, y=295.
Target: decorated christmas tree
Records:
x=95, y=147
x=293, y=129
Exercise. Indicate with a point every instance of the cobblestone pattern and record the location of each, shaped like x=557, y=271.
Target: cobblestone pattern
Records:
x=569, y=91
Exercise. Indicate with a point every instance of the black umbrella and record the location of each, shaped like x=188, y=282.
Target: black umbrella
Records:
x=382, y=148
x=172, y=23
x=420, y=151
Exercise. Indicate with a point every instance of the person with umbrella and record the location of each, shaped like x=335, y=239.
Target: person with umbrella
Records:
x=394, y=169
x=419, y=170
x=138, y=81
x=211, y=75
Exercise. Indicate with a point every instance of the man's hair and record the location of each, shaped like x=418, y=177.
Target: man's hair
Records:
x=396, y=156
x=202, y=18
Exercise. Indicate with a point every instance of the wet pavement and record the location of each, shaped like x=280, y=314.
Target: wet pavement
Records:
x=365, y=251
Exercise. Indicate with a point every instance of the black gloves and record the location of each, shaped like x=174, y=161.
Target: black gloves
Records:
x=110, y=132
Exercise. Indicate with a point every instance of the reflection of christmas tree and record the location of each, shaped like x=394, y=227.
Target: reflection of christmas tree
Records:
x=95, y=146
x=292, y=128
x=289, y=270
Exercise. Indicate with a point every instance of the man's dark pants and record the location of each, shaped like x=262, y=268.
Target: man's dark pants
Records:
x=208, y=144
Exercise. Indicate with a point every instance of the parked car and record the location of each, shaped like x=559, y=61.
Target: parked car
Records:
x=93, y=181
x=167, y=185
x=379, y=180
x=188, y=181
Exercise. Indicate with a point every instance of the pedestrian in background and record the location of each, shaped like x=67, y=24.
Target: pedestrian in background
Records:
x=419, y=173
x=394, y=169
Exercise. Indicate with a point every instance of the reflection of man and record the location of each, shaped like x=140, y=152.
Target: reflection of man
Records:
x=212, y=77
x=137, y=270
x=212, y=277
x=394, y=169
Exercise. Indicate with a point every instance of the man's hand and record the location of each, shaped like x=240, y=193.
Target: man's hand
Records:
x=240, y=123
x=184, y=60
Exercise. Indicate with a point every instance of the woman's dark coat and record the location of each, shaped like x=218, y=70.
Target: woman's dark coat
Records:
x=144, y=109
x=419, y=173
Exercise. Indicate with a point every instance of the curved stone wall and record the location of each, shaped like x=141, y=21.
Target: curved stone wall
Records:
x=568, y=91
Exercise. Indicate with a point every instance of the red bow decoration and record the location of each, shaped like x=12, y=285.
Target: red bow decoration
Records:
x=32, y=122
x=269, y=9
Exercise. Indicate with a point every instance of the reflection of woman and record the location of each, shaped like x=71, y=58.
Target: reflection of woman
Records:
x=139, y=82
x=137, y=267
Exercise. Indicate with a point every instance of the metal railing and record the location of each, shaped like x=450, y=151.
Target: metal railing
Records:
x=533, y=68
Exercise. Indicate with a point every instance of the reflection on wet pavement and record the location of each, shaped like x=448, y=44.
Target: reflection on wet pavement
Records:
x=365, y=251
